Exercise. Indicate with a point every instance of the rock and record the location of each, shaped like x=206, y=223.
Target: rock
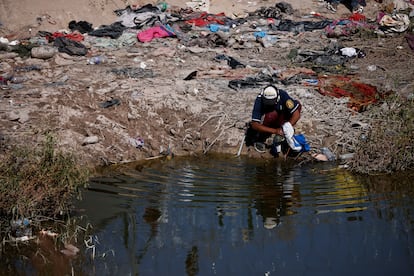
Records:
x=43, y=52
x=21, y=116
x=90, y=140
x=8, y=55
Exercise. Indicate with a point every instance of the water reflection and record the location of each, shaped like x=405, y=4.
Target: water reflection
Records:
x=236, y=216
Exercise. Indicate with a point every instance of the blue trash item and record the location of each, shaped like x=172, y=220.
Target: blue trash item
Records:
x=215, y=28
x=301, y=140
x=260, y=34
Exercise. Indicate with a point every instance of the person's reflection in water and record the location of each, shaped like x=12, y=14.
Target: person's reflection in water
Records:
x=191, y=263
x=274, y=196
x=151, y=216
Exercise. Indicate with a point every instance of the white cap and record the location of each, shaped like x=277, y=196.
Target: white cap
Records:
x=270, y=223
x=270, y=93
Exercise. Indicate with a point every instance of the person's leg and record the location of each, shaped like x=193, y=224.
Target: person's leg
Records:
x=253, y=136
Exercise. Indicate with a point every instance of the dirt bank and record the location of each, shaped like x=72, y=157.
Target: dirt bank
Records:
x=137, y=104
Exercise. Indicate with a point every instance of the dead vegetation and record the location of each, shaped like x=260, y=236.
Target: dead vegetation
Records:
x=37, y=183
x=388, y=146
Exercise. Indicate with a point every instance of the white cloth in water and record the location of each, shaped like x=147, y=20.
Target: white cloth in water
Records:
x=289, y=132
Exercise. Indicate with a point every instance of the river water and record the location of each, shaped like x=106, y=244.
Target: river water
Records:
x=239, y=216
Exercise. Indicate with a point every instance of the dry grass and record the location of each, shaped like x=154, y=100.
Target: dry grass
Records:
x=389, y=145
x=38, y=182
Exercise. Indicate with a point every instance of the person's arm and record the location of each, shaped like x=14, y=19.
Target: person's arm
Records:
x=295, y=117
x=261, y=128
x=279, y=131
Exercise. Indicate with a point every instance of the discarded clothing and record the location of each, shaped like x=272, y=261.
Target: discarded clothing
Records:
x=207, y=18
x=360, y=94
x=80, y=26
x=110, y=103
x=347, y=27
x=394, y=23
x=145, y=8
x=232, y=62
x=291, y=26
x=114, y=30
x=191, y=76
x=70, y=47
x=267, y=12
x=301, y=140
x=252, y=82
x=155, y=32
x=211, y=40
x=72, y=36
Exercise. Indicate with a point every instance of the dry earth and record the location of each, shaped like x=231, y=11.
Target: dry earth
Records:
x=157, y=105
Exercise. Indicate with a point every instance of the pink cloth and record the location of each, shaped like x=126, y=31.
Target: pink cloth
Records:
x=154, y=32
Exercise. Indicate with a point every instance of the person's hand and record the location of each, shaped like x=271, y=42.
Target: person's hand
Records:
x=278, y=131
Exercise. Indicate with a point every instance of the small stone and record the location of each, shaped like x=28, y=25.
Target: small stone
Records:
x=90, y=140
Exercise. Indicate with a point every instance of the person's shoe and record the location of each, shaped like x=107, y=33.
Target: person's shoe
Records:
x=260, y=147
x=333, y=7
x=358, y=9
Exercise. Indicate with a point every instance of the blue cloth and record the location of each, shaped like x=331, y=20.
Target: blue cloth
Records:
x=301, y=140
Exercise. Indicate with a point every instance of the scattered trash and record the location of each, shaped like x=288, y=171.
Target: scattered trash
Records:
x=191, y=76
x=137, y=142
x=21, y=229
x=346, y=156
x=328, y=153
x=142, y=65
x=18, y=79
x=349, y=52
x=110, y=103
x=215, y=28
x=90, y=140
x=97, y=60
x=310, y=82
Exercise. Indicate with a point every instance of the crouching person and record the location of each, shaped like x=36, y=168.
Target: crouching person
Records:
x=274, y=113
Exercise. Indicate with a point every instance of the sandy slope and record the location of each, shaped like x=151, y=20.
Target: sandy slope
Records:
x=200, y=115
x=53, y=15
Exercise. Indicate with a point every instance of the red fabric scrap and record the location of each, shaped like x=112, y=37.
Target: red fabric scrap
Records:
x=207, y=18
x=360, y=94
x=75, y=36
x=357, y=17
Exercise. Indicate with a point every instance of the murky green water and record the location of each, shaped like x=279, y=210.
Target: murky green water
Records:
x=235, y=216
